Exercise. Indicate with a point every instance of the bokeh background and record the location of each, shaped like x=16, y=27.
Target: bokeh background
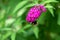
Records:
x=13, y=24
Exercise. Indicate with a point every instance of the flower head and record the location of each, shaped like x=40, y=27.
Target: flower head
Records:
x=35, y=12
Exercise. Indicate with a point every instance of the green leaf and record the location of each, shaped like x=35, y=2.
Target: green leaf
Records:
x=51, y=11
x=19, y=5
x=50, y=8
x=9, y=21
x=13, y=35
x=42, y=18
x=5, y=29
x=21, y=11
x=35, y=1
x=30, y=5
x=27, y=26
x=5, y=36
x=36, y=31
x=57, y=37
x=58, y=22
x=53, y=35
x=2, y=13
x=48, y=1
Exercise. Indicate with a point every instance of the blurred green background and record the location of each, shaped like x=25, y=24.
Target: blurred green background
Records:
x=13, y=24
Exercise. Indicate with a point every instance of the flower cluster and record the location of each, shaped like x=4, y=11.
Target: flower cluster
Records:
x=35, y=12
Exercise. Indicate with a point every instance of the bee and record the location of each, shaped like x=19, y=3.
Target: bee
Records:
x=34, y=23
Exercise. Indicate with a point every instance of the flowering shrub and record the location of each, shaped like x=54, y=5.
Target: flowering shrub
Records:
x=17, y=17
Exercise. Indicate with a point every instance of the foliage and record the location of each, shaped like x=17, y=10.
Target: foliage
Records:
x=13, y=25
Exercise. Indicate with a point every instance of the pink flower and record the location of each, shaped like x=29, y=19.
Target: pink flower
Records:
x=35, y=12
